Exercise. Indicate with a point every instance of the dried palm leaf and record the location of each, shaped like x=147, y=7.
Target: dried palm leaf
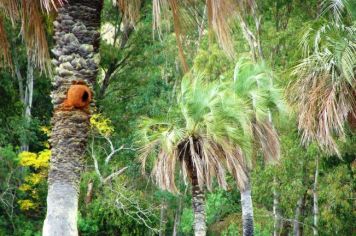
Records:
x=267, y=138
x=219, y=17
x=11, y=9
x=130, y=10
x=48, y=5
x=324, y=92
x=33, y=32
x=5, y=55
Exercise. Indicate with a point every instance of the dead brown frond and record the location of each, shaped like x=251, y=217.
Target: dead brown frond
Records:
x=220, y=13
x=181, y=13
x=34, y=34
x=49, y=5
x=11, y=10
x=200, y=158
x=268, y=140
x=130, y=10
x=5, y=55
x=323, y=108
x=177, y=29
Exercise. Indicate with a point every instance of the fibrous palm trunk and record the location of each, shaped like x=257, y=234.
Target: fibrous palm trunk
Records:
x=198, y=206
x=77, y=41
x=247, y=210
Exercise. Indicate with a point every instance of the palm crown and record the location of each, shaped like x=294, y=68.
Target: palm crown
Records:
x=211, y=129
x=324, y=93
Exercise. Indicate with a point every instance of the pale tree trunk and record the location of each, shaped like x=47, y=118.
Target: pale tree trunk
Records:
x=77, y=42
x=198, y=200
x=247, y=210
x=177, y=216
x=298, y=211
x=163, y=219
x=28, y=98
x=315, y=198
x=276, y=213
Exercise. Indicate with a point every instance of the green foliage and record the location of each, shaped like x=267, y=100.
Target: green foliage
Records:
x=233, y=230
x=187, y=219
x=148, y=83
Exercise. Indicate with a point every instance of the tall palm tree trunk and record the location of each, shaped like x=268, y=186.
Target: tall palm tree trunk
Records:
x=198, y=206
x=77, y=41
x=247, y=210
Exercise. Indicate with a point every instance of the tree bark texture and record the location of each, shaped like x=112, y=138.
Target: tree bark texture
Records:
x=247, y=210
x=75, y=53
x=198, y=200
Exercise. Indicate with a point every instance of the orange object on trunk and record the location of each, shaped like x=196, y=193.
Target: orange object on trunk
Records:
x=78, y=96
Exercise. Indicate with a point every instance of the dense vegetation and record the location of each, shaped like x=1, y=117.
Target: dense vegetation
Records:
x=270, y=107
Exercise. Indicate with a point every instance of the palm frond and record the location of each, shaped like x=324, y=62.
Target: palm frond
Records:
x=130, y=10
x=324, y=92
x=5, y=55
x=34, y=34
x=205, y=134
x=336, y=7
x=49, y=5
x=219, y=17
x=178, y=32
x=11, y=9
x=268, y=140
x=254, y=83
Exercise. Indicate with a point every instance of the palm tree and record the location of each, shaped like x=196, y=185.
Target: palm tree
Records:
x=205, y=134
x=75, y=59
x=253, y=82
x=324, y=92
x=75, y=53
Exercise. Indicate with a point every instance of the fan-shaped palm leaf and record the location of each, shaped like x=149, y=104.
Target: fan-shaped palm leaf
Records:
x=253, y=82
x=203, y=133
x=324, y=93
x=32, y=27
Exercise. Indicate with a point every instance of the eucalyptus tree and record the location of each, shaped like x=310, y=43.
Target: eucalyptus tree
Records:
x=206, y=134
x=253, y=82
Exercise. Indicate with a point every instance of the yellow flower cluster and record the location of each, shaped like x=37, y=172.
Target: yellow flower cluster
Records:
x=26, y=205
x=101, y=124
x=40, y=162
x=46, y=130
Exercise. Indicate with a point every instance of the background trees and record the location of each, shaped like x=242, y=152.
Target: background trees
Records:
x=145, y=82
